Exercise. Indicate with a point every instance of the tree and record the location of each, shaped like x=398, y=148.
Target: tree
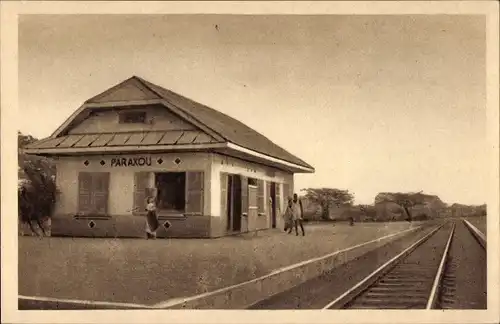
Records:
x=36, y=187
x=368, y=211
x=325, y=197
x=404, y=200
x=23, y=140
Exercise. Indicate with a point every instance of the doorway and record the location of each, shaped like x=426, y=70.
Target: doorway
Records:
x=233, y=203
x=273, y=204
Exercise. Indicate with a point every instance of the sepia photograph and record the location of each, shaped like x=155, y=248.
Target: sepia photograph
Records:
x=251, y=161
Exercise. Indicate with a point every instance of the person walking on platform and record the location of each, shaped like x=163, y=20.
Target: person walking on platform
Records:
x=298, y=212
x=288, y=216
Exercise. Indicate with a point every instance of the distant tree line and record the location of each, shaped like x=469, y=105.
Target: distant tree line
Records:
x=330, y=204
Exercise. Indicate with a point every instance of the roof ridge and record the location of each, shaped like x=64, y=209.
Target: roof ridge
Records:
x=151, y=86
x=121, y=83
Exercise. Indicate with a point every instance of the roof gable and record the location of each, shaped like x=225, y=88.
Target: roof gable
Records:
x=129, y=90
x=216, y=124
x=157, y=118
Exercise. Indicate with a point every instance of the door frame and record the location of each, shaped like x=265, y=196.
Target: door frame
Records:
x=229, y=204
x=236, y=203
x=234, y=215
x=272, y=194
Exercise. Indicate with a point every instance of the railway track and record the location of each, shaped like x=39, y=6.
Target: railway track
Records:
x=420, y=277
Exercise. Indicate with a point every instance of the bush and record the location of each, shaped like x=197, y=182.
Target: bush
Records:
x=36, y=185
x=421, y=217
x=36, y=189
x=310, y=216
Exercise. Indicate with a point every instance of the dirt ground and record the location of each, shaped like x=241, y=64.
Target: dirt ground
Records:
x=151, y=271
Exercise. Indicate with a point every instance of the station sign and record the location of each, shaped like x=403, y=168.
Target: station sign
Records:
x=130, y=162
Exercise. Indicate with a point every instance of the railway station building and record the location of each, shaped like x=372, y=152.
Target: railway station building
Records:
x=211, y=174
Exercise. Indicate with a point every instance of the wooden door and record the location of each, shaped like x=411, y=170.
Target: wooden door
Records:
x=244, y=204
x=253, y=208
x=237, y=203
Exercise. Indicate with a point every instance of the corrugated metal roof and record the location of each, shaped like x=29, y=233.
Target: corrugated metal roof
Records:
x=86, y=140
x=229, y=128
x=70, y=140
x=124, y=139
x=170, y=138
x=136, y=138
x=152, y=138
x=223, y=127
x=47, y=143
x=102, y=140
x=187, y=137
x=119, y=139
x=202, y=138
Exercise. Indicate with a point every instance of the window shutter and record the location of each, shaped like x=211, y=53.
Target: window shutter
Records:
x=269, y=204
x=260, y=197
x=84, y=192
x=194, y=193
x=100, y=188
x=286, y=192
x=223, y=194
x=141, y=183
x=244, y=195
x=279, y=208
x=268, y=197
x=150, y=192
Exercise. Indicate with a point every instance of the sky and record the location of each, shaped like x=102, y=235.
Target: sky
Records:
x=374, y=103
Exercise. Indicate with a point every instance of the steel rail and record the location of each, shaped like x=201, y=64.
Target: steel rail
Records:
x=355, y=291
x=433, y=297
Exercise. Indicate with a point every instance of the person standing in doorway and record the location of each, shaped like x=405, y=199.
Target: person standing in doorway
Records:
x=298, y=212
x=152, y=223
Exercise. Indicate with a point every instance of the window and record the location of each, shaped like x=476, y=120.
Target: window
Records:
x=93, y=190
x=176, y=192
x=171, y=188
x=132, y=117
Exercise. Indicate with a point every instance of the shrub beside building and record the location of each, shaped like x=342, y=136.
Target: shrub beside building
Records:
x=36, y=188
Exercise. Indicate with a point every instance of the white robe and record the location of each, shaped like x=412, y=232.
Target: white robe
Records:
x=296, y=212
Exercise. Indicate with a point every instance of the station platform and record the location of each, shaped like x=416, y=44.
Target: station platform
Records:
x=479, y=223
x=147, y=272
